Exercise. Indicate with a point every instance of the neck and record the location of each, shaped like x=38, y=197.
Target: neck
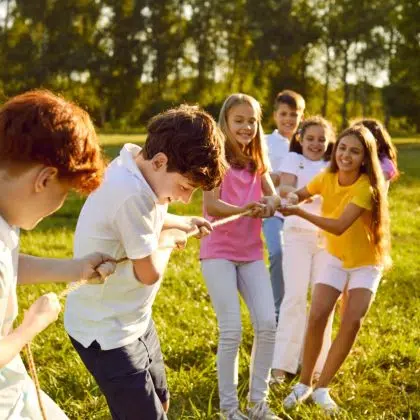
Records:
x=146, y=170
x=348, y=178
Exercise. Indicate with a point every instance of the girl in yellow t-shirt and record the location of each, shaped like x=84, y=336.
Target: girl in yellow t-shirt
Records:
x=356, y=224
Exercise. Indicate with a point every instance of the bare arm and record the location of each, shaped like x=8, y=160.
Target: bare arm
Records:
x=219, y=208
x=44, y=311
x=150, y=269
x=268, y=185
x=275, y=177
x=335, y=226
x=35, y=270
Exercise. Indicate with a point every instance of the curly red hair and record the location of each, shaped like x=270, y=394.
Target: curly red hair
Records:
x=38, y=127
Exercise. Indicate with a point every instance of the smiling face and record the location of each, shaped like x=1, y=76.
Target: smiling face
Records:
x=350, y=154
x=314, y=143
x=242, y=123
x=287, y=119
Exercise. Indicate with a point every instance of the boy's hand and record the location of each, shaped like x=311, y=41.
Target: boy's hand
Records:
x=42, y=313
x=271, y=204
x=257, y=209
x=173, y=238
x=198, y=224
x=96, y=267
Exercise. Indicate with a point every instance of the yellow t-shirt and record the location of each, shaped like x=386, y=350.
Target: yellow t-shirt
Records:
x=355, y=246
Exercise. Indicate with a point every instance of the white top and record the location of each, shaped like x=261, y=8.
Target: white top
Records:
x=278, y=148
x=17, y=394
x=121, y=218
x=304, y=169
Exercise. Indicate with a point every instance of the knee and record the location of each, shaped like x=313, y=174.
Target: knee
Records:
x=351, y=323
x=230, y=336
x=266, y=326
x=318, y=318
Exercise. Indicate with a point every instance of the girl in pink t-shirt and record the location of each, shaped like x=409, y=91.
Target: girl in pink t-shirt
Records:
x=232, y=257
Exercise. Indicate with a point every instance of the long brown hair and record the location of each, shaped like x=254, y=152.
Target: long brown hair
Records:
x=254, y=155
x=296, y=141
x=372, y=168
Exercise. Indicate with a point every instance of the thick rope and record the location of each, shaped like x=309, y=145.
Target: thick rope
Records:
x=74, y=286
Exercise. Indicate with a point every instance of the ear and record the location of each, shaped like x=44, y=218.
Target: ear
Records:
x=46, y=175
x=159, y=160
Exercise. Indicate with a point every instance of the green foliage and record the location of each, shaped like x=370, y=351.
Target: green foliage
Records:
x=379, y=380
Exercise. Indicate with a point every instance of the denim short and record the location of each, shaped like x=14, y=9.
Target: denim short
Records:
x=131, y=377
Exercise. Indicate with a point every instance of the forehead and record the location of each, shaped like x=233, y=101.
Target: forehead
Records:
x=243, y=110
x=183, y=179
x=315, y=130
x=281, y=107
x=351, y=141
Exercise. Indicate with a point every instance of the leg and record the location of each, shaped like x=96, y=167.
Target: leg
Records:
x=254, y=285
x=356, y=308
x=157, y=366
x=323, y=301
x=221, y=280
x=123, y=376
x=273, y=233
x=292, y=318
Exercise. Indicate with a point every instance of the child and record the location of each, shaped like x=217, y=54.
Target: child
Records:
x=355, y=218
x=288, y=112
x=310, y=151
x=47, y=147
x=387, y=152
x=111, y=326
x=232, y=257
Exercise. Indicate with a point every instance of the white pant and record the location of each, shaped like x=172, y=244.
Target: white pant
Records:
x=300, y=253
x=224, y=279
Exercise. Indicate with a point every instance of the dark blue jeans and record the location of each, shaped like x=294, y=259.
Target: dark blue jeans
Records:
x=132, y=377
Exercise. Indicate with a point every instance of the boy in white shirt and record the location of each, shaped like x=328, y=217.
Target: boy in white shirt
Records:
x=47, y=147
x=110, y=325
x=289, y=107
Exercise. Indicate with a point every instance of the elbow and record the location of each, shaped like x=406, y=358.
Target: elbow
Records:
x=148, y=279
x=339, y=230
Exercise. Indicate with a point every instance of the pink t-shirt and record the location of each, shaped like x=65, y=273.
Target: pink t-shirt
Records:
x=388, y=168
x=239, y=240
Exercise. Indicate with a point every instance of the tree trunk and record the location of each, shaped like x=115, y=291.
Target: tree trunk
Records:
x=345, y=87
x=327, y=82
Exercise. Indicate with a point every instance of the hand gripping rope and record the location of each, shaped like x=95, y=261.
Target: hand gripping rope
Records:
x=74, y=286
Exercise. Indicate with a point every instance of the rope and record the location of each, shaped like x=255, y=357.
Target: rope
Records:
x=74, y=286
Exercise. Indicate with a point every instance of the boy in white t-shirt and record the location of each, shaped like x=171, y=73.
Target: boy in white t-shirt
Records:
x=289, y=107
x=47, y=147
x=110, y=325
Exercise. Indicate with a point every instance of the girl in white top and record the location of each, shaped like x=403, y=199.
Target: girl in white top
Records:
x=310, y=150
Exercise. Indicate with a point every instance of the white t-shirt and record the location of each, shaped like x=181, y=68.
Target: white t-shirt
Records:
x=18, y=398
x=278, y=148
x=304, y=169
x=121, y=218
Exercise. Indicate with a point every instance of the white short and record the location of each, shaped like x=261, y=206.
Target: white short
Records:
x=329, y=270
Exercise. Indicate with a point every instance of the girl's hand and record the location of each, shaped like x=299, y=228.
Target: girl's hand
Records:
x=289, y=210
x=198, y=224
x=292, y=199
x=42, y=313
x=96, y=267
x=271, y=203
x=173, y=238
x=257, y=209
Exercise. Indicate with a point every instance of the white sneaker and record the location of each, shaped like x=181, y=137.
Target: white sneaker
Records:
x=322, y=398
x=233, y=414
x=300, y=392
x=261, y=411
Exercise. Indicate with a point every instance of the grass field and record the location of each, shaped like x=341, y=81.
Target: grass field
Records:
x=380, y=379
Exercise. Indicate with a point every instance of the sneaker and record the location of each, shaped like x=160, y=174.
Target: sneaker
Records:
x=322, y=398
x=261, y=411
x=233, y=414
x=300, y=392
x=277, y=377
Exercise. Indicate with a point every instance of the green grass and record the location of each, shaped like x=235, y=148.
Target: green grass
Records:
x=379, y=380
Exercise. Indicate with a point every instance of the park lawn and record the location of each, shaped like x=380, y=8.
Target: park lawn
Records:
x=379, y=380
